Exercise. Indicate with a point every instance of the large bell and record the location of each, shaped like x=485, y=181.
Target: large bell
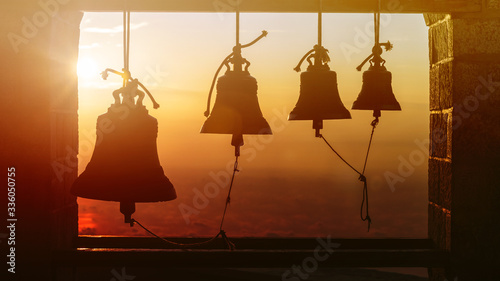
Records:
x=376, y=93
x=125, y=166
x=319, y=97
x=236, y=109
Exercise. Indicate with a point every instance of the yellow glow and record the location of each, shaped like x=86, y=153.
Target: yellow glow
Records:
x=87, y=68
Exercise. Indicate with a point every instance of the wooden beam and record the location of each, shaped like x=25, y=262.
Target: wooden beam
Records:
x=249, y=258
x=254, y=243
x=283, y=6
x=251, y=253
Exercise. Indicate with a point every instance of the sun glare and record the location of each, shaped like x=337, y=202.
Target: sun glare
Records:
x=86, y=68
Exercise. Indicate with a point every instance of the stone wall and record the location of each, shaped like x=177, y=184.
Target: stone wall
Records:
x=38, y=99
x=464, y=54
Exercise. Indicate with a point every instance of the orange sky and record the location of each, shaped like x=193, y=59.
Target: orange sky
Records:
x=290, y=183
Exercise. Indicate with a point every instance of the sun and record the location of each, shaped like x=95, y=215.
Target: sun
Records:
x=87, y=68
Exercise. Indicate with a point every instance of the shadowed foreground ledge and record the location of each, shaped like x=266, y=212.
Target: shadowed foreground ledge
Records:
x=145, y=252
x=322, y=274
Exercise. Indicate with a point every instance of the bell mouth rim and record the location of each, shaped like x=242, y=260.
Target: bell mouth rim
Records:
x=267, y=132
x=385, y=109
x=320, y=119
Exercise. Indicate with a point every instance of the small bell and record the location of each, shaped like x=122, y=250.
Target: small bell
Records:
x=236, y=109
x=124, y=166
x=319, y=97
x=376, y=92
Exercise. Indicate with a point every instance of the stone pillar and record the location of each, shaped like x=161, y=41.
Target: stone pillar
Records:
x=38, y=100
x=464, y=164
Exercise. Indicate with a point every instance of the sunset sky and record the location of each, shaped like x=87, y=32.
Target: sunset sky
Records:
x=290, y=184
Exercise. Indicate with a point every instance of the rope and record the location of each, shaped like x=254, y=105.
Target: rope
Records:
x=297, y=68
x=362, y=176
x=126, y=43
x=374, y=125
x=320, y=23
x=207, y=112
x=238, y=23
x=228, y=199
x=221, y=233
x=224, y=62
x=365, y=196
x=376, y=27
x=341, y=158
x=172, y=242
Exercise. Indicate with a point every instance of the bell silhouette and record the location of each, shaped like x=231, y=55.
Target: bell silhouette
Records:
x=319, y=97
x=236, y=109
x=376, y=93
x=124, y=166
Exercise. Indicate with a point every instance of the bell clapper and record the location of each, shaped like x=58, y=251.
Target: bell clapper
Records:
x=237, y=142
x=127, y=209
x=376, y=114
x=317, y=126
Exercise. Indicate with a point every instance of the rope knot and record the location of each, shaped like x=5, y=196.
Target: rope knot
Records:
x=369, y=222
x=362, y=178
x=375, y=122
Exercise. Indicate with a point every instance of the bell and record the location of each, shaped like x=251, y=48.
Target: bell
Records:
x=319, y=97
x=236, y=109
x=124, y=166
x=376, y=93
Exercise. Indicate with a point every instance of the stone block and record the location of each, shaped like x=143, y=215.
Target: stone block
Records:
x=476, y=96
x=431, y=19
x=445, y=184
x=493, y=4
x=440, y=227
x=439, y=42
x=433, y=180
x=441, y=86
x=475, y=36
x=439, y=178
x=439, y=135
